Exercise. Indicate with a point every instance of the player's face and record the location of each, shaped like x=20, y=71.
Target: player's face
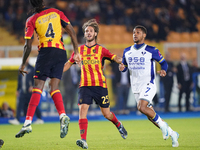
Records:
x=89, y=34
x=138, y=36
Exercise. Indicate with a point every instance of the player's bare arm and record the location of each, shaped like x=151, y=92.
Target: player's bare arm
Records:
x=117, y=59
x=26, y=53
x=121, y=67
x=70, y=30
x=67, y=66
x=72, y=34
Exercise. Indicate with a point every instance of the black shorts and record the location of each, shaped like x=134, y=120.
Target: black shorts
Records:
x=50, y=63
x=87, y=94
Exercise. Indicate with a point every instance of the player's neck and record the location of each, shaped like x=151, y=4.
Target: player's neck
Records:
x=137, y=45
x=140, y=42
x=90, y=43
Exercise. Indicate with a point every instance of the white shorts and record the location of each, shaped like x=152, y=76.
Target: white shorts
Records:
x=147, y=93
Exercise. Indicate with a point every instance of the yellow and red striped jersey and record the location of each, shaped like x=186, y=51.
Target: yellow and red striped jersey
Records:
x=48, y=26
x=91, y=65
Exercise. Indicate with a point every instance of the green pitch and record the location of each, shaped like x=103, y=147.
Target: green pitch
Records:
x=103, y=135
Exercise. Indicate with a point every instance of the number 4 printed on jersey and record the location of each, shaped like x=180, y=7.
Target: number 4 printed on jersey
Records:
x=50, y=32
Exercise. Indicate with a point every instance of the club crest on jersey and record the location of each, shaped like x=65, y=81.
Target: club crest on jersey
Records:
x=143, y=53
x=94, y=50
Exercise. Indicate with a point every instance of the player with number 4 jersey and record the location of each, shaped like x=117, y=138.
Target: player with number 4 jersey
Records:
x=48, y=26
x=47, y=23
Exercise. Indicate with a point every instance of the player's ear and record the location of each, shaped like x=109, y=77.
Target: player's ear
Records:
x=95, y=33
x=144, y=35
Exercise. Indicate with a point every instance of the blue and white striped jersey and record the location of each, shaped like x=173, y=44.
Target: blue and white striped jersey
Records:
x=141, y=64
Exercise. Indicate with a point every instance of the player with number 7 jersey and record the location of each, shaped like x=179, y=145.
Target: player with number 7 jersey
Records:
x=140, y=59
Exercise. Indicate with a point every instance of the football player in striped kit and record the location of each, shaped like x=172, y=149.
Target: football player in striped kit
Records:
x=93, y=82
x=48, y=23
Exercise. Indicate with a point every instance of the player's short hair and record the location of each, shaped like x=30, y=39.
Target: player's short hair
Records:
x=38, y=5
x=144, y=30
x=93, y=23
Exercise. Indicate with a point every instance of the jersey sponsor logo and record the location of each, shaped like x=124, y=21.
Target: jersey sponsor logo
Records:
x=130, y=59
x=136, y=61
x=133, y=68
x=139, y=59
x=88, y=55
x=89, y=62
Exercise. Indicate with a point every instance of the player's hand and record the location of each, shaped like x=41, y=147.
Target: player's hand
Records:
x=162, y=73
x=77, y=58
x=30, y=89
x=121, y=67
x=21, y=70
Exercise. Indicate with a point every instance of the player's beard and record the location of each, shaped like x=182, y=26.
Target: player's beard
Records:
x=137, y=41
x=92, y=39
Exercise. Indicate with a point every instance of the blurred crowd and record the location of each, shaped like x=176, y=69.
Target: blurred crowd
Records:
x=165, y=15
x=6, y=111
